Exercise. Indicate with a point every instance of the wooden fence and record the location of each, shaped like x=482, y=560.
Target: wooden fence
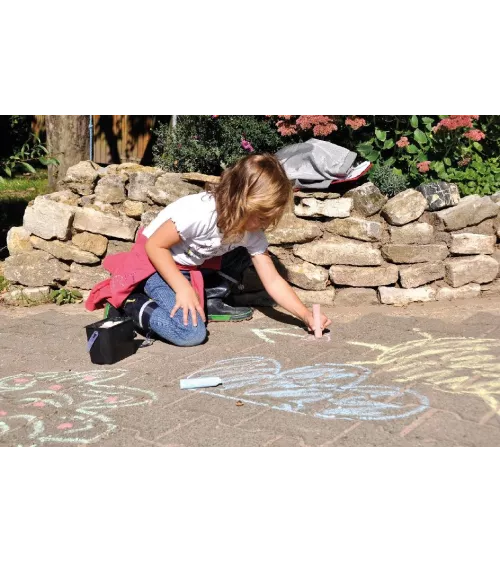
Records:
x=118, y=138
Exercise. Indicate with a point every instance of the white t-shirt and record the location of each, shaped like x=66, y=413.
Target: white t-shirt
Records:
x=195, y=218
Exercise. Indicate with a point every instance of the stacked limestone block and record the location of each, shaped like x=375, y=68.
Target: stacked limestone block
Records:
x=98, y=211
x=363, y=249
x=357, y=249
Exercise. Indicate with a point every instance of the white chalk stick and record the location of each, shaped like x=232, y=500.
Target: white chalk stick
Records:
x=200, y=382
x=318, y=333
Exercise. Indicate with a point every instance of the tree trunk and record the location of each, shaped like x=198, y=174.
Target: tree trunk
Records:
x=68, y=141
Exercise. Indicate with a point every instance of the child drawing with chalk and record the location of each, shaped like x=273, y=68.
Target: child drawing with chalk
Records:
x=184, y=264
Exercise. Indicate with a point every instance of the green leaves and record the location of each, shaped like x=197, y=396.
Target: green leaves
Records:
x=412, y=149
x=414, y=121
x=381, y=135
x=420, y=137
x=28, y=167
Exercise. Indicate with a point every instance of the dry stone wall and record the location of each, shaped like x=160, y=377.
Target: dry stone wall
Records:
x=355, y=249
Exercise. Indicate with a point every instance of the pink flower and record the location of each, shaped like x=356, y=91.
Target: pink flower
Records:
x=355, y=123
x=215, y=116
x=423, y=166
x=455, y=122
x=322, y=125
x=465, y=161
x=475, y=135
x=403, y=142
x=247, y=145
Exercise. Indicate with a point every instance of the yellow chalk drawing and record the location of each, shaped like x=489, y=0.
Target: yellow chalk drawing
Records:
x=452, y=364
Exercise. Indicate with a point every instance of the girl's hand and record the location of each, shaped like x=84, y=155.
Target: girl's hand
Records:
x=309, y=320
x=187, y=300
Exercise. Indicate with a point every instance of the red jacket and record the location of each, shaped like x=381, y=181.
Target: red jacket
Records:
x=128, y=269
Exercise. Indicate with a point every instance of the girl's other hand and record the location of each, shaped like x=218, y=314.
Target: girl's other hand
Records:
x=188, y=301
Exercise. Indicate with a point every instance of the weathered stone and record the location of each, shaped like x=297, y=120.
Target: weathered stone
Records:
x=88, y=219
x=491, y=289
x=316, y=195
x=496, y=256
x=421, y=274
x=470, y=211
x=117, y=246
x=49, y=219
x=309, y=207
x=27, y=296
x=78, y=188
x=472, y=244
x=355, y=297
x=495, y=198
x=106, y=208
x=170, y=187
x=359, y=229
x=139, y=184
x=325, y=297
x=367, y=199
x=86, y=200
x=64, y=196
x=412, y=253
x=293, y=230
x=487, y=227
x=111, y=189
x=306, y=276
x=400, y=297
x=414, y=233
x=133, y=208
x=132, y=167
x=35, y=269
x=85, y=172
x=64, y=250
x=105, y=170
x=96, y=244
x=147, y=217
x=439, y=195
x=476, y=269
x=364, y=277
x=85, y=277
x=404, y=207
x=326, y=252
x=200, y=178
x=464, y=292
x=18, y=241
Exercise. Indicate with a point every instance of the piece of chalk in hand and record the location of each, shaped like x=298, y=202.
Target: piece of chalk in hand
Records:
x=200, y=382
x=318, y=332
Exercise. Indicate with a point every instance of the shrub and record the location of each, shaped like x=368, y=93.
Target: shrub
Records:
x=208, y=144
x=387, y=180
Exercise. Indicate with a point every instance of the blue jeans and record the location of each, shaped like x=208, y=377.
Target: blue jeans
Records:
x=172, y=329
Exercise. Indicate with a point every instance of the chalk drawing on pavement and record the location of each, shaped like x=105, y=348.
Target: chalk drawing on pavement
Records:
x=330, y=391
x=65, y=407
x=461, y=365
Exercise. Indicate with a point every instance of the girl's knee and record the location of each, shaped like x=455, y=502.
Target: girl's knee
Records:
x=190, y=335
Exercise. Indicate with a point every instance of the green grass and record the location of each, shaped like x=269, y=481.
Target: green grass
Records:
x=24, y=188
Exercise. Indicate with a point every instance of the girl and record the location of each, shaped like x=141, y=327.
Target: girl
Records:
x=185, y=244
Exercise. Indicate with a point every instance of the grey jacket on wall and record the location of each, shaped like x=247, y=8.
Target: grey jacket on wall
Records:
x=315, y=163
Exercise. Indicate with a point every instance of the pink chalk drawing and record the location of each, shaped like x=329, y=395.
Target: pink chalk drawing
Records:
x=83, y=402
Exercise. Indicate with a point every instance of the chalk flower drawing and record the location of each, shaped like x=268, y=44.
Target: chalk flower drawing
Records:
x=321, y=390
x=452, y=364
x=65, y=407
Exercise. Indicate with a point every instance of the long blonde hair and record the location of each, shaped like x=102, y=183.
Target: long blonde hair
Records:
x=256, y=185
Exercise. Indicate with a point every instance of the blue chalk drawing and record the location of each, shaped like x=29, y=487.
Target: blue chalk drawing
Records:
x=65, y=407
x=330, y=391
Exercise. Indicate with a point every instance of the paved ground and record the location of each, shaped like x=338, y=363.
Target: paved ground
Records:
x=426, y=375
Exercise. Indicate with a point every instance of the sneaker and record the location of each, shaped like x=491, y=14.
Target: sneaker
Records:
x=218, y=311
